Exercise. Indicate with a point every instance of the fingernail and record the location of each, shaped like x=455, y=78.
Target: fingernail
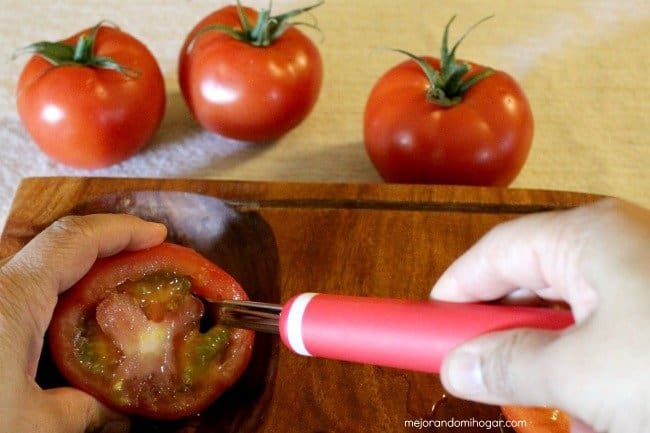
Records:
x=445, y=288
x=115, y=427
x=465, y=374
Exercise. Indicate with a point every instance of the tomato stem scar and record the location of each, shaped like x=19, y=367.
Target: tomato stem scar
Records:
x=81, y=54
x=447, y=85
x=267, y=29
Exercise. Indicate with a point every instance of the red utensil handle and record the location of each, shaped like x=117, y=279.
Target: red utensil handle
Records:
x=410, y=335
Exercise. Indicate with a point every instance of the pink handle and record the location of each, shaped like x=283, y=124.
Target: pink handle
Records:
x=410, y=335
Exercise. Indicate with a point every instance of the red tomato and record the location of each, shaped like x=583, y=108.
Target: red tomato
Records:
x=537, y=419
x=481, y=139
x=243, y=91
x=91, y=117
x=131, y=333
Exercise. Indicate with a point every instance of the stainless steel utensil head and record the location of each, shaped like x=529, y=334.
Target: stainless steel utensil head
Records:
x=258, y=316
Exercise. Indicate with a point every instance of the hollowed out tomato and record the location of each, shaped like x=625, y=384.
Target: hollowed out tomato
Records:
x=134, y=333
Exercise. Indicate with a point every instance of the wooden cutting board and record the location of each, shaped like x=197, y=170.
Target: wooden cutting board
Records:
x=281, y=239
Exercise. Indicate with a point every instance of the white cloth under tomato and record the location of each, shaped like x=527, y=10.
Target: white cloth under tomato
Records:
x=582, y=63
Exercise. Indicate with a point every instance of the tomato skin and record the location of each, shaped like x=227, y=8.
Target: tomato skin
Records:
x=483, y=140
x=89, y=117
x=209, y=282
x=537, y=419
x=247, y=92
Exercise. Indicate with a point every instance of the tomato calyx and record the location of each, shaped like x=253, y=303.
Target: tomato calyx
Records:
x=267, y=29
x=447, y=85
x=81, y=54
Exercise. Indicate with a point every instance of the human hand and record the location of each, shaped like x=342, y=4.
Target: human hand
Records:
x=597, y=259
x=30, y=282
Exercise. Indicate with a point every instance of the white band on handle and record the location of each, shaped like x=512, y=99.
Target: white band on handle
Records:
x=294, y=323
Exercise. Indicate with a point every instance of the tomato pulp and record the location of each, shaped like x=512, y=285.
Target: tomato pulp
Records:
x=134, y=333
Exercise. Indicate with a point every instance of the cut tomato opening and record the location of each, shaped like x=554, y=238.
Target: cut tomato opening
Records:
x=134, y=332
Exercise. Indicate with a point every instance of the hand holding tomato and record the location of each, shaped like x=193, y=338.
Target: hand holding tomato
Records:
x=440, y=121
x=30, y=282
x=596, y=259
x=91, y=100
x=136, y=333
x=248, y=75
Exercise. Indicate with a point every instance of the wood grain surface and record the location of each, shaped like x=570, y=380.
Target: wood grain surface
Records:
x=282, y=239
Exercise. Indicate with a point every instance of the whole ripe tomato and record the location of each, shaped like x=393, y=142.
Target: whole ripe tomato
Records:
x=248, y=75
x=537, y=419
x=430, y=120
x=132, y=333
x=93, y=99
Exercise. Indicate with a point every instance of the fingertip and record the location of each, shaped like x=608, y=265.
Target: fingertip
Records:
x=159, y=227
x=448, y=289
x=162, y=227
x=157, y=233
x=153, y=226
x=444, y=289
x=512, y=366
x=141, y=234
x=462, y=375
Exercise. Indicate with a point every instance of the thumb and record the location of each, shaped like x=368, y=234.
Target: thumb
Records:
x=508, y=367
x=75, y=411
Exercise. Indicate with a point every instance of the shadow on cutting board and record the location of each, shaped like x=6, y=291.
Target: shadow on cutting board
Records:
x=243, y=245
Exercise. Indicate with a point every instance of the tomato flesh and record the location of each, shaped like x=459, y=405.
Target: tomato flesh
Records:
x=134, y=333
x=145, y=337
x=95, y=350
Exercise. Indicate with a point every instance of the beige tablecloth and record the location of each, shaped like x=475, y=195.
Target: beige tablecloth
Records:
x=582, y=63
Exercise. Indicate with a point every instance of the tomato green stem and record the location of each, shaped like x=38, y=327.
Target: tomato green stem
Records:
x=267, y=29
x=448, y=84
x=81, y=54
x=83, y=50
